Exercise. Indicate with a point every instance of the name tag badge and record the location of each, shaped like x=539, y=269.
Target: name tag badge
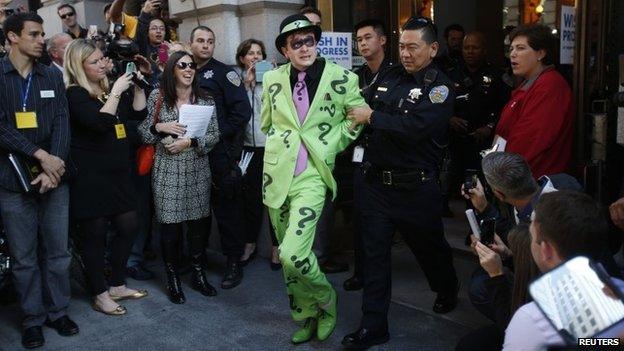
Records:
x=358, y=154
x=47, y=94
x=25, y=120
x=120, y=130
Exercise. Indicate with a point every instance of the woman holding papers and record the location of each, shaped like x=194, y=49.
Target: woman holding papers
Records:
x=250, y=52
x=181, y=176
x=102, y=192
x=538, y=120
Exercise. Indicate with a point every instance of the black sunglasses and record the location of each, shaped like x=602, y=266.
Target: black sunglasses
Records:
x=183, y=65
x=308, y=41
x=69, y=14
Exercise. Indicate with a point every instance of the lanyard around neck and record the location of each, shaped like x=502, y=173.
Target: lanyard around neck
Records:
x=25, y=91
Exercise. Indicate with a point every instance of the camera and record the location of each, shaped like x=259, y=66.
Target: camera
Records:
x=470, y=180
x=488, y=229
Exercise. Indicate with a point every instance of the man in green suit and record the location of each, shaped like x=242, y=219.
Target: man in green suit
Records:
x=304, y=105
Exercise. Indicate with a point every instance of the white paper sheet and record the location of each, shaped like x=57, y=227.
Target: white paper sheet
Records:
x=196, y=118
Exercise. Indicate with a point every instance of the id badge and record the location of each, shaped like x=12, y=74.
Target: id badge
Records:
x=358, y=154
x=120, y=130
x=24, y=120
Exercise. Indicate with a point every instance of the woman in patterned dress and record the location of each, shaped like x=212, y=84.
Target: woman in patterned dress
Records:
x=181, y=176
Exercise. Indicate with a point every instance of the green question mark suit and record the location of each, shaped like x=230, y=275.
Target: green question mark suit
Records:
x=295, y=203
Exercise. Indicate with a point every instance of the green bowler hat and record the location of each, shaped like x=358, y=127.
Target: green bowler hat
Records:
x=292, y=24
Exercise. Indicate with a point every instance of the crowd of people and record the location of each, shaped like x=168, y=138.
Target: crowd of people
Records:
x=100, y=125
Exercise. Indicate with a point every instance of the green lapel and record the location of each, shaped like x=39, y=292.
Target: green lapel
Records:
x=320, y=90
x=284, y=80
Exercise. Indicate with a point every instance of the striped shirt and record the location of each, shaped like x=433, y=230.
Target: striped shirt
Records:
x=47, y=98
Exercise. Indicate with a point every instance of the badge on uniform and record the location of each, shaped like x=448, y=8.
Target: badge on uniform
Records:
x=120, y=131
x=234, y=78
x=25, y=120
x=487, y=79
x=438, y=94
x=208, y=74
x=382, y=89
x=415, y=93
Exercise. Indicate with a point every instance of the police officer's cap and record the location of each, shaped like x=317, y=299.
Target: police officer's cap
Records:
x=292, y=24
x=418, y=22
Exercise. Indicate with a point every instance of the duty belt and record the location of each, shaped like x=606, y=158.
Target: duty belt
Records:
x=399, y=177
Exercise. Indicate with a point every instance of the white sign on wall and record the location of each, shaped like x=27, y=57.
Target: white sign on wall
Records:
x=336, y=47
x=566, y=42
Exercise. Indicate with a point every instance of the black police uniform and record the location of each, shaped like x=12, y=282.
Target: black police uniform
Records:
x=233, y=113
x=480, y=98
x=346, y=168
x=408, y=131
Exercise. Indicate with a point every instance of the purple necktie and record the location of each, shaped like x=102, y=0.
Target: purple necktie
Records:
x=302, y=104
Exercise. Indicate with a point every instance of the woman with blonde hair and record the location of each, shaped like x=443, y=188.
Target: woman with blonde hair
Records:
x=102, y=192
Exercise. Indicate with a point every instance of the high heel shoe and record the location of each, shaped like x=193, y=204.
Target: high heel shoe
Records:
x=198, y=279
x=174, y=286
x=243, y=263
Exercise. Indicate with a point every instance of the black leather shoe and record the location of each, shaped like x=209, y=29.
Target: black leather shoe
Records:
x=330, y=266
x=352, y=284
x=32, y=337
x=445, y=302
x=199, y=281
x=364, y=338
x=233, y=275
x=174, y=286
x=139, y=272
x=64, y=326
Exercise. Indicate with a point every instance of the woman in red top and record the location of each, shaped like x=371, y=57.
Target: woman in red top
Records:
x=538, y=120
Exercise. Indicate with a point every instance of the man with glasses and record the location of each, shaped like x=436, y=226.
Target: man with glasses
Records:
x=408, y=123
x=67, y=13
x=303, y=114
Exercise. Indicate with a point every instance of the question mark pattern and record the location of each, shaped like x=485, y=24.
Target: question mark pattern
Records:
x=325, y=128
x=304, y=264
x=336, y=85
x=267, y=181
x=308, y=215
x=284, y=211
x=330, y=109
x=291, y=280
x=299, y=86
x=274, y=89
x=285, y=135
x=291, y=299
x=271, y=131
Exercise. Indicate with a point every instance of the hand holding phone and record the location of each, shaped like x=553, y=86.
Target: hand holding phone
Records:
x=488, y=228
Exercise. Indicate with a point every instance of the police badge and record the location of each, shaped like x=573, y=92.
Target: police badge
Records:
x=415, y=93
x=234, y=78
x=438, y=94
x=208, y=74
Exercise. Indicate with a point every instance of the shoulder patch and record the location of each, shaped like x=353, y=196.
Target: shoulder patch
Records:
x=234, y=78
x=438, y=94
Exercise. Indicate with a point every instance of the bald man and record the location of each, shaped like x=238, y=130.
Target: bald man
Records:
x=56, y=49
x=481, y=95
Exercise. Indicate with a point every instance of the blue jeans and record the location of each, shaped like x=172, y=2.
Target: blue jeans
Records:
x=37, y=229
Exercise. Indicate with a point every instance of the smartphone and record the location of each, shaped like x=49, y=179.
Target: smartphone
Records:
x=163, y=53
x=470, y=180
x=488, y=229
x=131, y=67
x=93, y=31
x=572, y=298
x=474, y=224
x=261, y=68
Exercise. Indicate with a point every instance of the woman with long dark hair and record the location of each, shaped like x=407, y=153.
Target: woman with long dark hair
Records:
x=181, y=177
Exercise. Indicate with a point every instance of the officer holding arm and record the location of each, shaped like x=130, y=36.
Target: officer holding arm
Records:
x=408, y=123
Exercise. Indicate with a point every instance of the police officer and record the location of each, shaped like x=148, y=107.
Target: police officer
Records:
x=480, y=97
x=233, y=113
x=409, y=119
x=370, y=36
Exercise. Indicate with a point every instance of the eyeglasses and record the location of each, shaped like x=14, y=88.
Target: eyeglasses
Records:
x=69, y=14
x=307, y=41
x=183, y=65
